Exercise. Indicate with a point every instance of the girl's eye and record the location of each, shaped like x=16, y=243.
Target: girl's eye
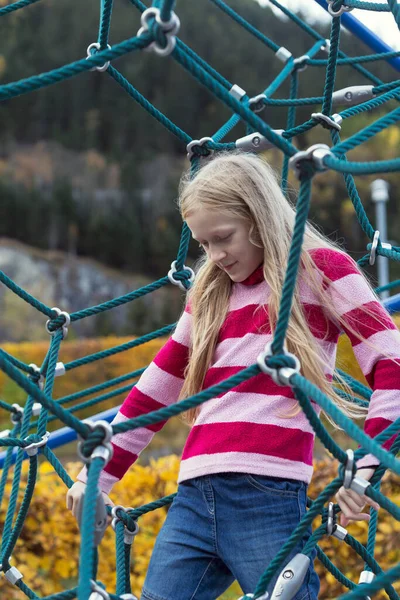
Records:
x=217, y=241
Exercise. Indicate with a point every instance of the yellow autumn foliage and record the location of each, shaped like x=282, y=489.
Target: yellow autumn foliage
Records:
x=47, y=552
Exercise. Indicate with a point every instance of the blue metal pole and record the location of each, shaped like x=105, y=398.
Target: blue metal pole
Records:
x=65, y=434
x=392, y=304
x=365, y=35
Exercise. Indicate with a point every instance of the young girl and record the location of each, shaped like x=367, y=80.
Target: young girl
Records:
x=247, y=461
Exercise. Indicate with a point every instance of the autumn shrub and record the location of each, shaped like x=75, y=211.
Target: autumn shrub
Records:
x=47, y=551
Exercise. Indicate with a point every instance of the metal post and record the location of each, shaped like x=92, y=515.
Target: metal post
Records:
x=380, y=195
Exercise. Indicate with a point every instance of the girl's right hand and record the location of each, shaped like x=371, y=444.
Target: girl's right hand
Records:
x=74, y=497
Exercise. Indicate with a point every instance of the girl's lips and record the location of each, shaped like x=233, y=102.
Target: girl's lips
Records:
x=230, y=266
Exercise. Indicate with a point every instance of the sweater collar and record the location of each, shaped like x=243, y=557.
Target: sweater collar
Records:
x=257, y=276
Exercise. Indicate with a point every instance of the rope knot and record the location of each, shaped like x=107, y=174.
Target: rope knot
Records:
x=199, y=148
x=279, y=367
x=182, y=278
x=60, y=321
x=162, y=32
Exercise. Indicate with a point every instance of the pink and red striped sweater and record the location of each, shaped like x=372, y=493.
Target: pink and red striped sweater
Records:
x=241, y=430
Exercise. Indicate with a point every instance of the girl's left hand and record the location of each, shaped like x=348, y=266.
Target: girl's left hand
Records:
x=352, y=503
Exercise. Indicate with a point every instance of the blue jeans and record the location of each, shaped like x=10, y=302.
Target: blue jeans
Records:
x=224, y=527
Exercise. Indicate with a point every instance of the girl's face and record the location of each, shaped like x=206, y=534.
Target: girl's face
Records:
x=226, y=241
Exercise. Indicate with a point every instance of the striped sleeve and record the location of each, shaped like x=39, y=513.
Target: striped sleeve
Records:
x=158, y=387
x=379, y=353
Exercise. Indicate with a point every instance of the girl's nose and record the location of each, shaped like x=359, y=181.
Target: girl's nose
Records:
x=217, y=255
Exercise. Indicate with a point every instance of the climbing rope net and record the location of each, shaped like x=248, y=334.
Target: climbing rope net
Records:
x=159, y=28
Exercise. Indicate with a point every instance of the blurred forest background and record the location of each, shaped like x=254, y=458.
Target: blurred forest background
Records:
x=88, y=180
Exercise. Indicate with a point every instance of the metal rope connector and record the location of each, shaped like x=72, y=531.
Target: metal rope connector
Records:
x=315, y=155
x=200, y=142
x=105, y=449
x=170, y=28
x=66, y=323
x=291, y=578
x=300, y=63
x=177, y=282
x=102, y=68
x=255, y=142
x=366, y=577
x=257, y=103
x=354, y=94
x=33, y=448
x=38, y=374
x=281, y=375
x=129, y=535
x=352, y=481
x=372, y=255
x=237, y=92
x=339, y=12
x=13, y=575
x=98, y=593
x=283, y=54
x=17, y=413
x=327, y=122
x=101, y=518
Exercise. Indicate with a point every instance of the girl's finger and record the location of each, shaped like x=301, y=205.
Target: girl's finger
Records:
x=351, y=503
x=345, y=519
x=372, y=503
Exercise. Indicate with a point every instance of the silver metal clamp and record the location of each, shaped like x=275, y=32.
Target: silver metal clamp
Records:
x=40, y=380
x=199, y=142
x=339, y=12
x=102, y=68
x=291, y=578
x=17, y=413
x=333, y=122
x=33, y=448
x=177, y=282
x=375, y=241
x=170, y=28
x=300, y=63
x=255, y=142
x=98, y=593
x=101, y=518
x=66, y=324
x=354, y=94
x=129, y=535
x=282, y=375
x=314, y=154
x=105, y=449
x=257, y=103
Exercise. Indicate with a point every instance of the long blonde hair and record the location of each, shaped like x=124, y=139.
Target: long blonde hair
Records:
x=244, y=186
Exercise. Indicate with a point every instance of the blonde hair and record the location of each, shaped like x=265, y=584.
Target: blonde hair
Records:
x=244, y=186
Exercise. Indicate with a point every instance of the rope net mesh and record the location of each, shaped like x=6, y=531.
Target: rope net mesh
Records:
x=160, y=26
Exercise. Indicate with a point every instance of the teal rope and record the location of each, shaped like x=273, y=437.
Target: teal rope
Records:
x=16, y=6
x=167, y=6
x=290, y=123
x=23, y=511
x=17, y=477
x=246, y=25
x=289, y=284
x=395, y=8
x=368, y=132
x=359, y=168
x=105, y=21
x=331, y=68
x=317, y=36
x=375, y=6
x=321, y=62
